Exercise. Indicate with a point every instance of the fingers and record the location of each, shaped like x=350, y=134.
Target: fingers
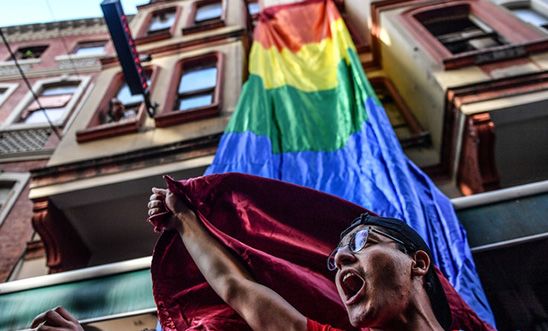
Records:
x=54, y=318
x=155, y=204
x=159, y=191
x=66, y=315
x=153, y=211
x=38, y=320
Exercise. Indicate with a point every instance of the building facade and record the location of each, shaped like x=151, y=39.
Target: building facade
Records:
x=467, y=100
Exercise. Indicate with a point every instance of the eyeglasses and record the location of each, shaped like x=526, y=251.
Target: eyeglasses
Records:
x=357, y=242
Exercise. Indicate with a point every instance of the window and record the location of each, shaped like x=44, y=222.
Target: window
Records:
x=5, y=192
x=208, y=12
x=196, y=94
x=196, y=87
x=161, y=21
x=466, y=32
x=407, y=128
x=53, y=98
x=205, y=15
x=11, y=186
x=531, y=16
x=158, y=25
x=119, y=112
x=124, y=106
x=90, y=48
x=461, y=32
x=58, y=96
x=29, y=52
x=253, y=8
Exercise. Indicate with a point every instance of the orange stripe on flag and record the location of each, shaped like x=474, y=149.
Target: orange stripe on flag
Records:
x=296, y=25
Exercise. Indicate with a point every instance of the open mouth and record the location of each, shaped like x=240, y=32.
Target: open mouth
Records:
x=351, y=284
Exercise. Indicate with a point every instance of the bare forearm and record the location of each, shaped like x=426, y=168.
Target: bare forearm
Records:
x=219, y=267
x=262, y=308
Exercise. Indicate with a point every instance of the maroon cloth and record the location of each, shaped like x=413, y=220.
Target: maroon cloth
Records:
x=283, y=233
x=315, y=326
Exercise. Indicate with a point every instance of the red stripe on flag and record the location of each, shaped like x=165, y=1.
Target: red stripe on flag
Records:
x=296, y=24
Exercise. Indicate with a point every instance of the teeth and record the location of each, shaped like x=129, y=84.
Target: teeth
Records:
x=346, y=276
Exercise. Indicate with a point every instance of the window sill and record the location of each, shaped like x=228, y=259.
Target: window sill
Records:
x=494, y=54
x=206, y=26
x=21, y=62
x=9, y=67
x=109, y=130
x=179, y=117
x=68, y=61
x=154, y=37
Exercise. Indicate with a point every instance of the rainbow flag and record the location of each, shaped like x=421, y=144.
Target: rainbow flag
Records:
x=307, y=115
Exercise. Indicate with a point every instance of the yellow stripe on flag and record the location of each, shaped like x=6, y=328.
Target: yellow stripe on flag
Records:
x=312, y=68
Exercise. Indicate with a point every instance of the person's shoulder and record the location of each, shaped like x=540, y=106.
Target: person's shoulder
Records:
x=315, y=326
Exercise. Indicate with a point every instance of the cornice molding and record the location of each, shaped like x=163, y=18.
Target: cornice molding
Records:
x=39, y=31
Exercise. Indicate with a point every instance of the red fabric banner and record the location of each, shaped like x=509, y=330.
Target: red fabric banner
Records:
x=282, y=232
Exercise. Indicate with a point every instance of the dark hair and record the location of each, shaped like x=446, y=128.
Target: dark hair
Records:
x=413, y=242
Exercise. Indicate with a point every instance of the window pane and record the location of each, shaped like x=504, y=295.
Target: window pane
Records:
x=483, y=43
x=90, y=49
x=161, y=21
x=463, y=33
x=5, y=192
x=124, y=95
x=38, y=116
x=60, y=89
x=198, y=79
x=253, y=8
x=195, y=101
x=32, y=52
x=530, y=16
x=208, y=12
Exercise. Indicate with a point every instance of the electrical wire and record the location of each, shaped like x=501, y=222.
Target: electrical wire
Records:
x=25, y=79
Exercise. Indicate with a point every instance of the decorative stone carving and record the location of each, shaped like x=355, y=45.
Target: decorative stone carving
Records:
x=477, y=169
x=65, y=250
x=71, y=61
x=8, y=68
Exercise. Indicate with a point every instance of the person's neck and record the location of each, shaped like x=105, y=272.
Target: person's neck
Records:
x=418, y=316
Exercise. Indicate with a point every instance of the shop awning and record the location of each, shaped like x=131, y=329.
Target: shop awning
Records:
x=89, y=294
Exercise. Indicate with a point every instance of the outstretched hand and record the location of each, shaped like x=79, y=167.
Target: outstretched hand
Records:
x=57, y=319
x=166, y=210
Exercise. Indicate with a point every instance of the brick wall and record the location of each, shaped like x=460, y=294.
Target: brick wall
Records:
x=16, y=230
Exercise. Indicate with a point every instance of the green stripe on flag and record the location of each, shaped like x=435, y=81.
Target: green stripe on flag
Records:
x=309, y=121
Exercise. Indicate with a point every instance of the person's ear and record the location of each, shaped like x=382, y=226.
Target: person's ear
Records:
x=421, y=263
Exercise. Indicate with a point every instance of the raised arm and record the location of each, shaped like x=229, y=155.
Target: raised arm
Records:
x=258, y=305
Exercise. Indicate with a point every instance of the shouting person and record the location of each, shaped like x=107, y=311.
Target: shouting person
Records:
x=385, y=276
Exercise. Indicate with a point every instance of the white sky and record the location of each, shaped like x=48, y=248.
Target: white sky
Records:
x=17, y=12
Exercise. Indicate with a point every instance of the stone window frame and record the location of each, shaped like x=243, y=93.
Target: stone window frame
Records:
x=142, y=36
x=94, y=131
x=192, y=27
x=38, y=86
x=19, y=181
x=522, y=38
x=168, y=117
x=10, y=88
